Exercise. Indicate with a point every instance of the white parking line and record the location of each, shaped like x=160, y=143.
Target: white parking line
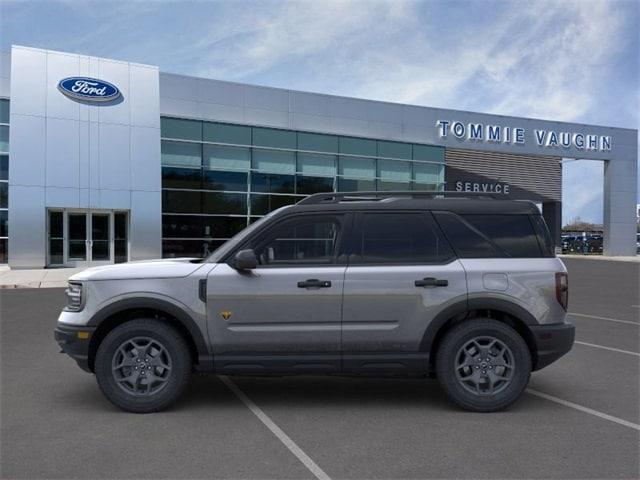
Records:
x=629, y=322
x=608, y=348
x=590, y=411
x=277, y=431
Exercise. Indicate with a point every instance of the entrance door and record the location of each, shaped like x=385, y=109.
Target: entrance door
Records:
x=81, y=238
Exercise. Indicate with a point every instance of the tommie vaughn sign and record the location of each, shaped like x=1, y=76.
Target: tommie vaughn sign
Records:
x=478, y=132
x=88, y=89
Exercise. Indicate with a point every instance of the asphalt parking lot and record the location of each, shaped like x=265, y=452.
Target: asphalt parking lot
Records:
x=579, y=419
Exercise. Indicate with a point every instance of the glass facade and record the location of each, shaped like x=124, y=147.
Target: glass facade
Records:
x=217, y=178
x=4, y=180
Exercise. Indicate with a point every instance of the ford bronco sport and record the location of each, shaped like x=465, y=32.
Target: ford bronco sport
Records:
x=373, y=283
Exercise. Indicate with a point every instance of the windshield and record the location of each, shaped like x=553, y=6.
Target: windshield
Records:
x=238, y=238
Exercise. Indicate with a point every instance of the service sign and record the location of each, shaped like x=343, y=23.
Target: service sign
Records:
x=88, y=89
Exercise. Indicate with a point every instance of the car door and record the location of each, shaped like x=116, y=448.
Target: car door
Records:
x=402, y=272
x=284, y=315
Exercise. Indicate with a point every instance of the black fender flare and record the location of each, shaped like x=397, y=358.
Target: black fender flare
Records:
x=177, y=312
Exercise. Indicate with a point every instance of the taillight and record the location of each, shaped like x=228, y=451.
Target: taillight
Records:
x=562, y=289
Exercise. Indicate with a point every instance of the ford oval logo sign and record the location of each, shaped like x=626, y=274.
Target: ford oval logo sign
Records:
x=88, y=89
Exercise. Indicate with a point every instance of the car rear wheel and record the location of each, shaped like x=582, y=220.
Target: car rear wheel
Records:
x=483, y=365
x=143, y=365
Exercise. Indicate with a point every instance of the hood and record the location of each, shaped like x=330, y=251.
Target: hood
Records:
x=162, y=268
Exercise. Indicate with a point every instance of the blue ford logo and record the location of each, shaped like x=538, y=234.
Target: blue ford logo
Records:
x=89, y=89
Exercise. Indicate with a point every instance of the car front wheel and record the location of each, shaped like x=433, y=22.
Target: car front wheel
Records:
x=143, y=365
x=483, y=365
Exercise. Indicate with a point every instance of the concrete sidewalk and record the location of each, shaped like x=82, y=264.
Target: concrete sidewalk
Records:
x=602, y=257
x=36, y=278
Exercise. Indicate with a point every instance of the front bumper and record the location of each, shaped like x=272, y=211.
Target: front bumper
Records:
x=552, y=342
x=75, y=341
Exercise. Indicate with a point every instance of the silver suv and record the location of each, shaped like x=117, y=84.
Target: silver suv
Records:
x=385, y=284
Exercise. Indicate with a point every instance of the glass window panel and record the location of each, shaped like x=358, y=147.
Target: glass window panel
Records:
x=386, y=186
x=4, y=254
x=4, y=111
x=357, y=167
x=227, y=158
x=77, y=236
x=186, y=226
x=428, y=173
x=467, y=242
x=224, y=133
x=426, y=187
x=182, y=178
x=217, y=180
x=4, y=193
x=401, y=237
x=514, y=234
x=271, y=137
x=178, y=128
x=4, y=139
x=120, y=244
x=311, y=185
x=4, y=223
x=263, y=204
x=354, y=185
x=310, y=240
x=358, y=146
x=317, y=143
x=181, y=202
x=56, y=254
x=180, y=153
x=4, y=167
x=391, y=170
x=189, y=248
x=317, y=164
x=394, y=150
x=55, y=225
x=270, y=183
x=216, y=202
x=274, y=161
x=428, y=153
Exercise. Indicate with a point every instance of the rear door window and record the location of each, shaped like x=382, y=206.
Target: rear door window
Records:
x=392, y=238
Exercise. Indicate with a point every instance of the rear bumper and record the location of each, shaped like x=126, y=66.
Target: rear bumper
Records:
x=73, y=344
x=552, y=342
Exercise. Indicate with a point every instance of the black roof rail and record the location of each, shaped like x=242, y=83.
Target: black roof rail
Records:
x=335, y=197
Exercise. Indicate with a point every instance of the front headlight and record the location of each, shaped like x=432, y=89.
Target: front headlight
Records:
x=74, y=297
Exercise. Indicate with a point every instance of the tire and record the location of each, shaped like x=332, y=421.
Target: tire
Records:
x=143, y=365
x=482, y=382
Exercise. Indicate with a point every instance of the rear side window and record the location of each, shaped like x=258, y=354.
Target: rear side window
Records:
x=466, y=239
x=544, y=237
x=513, y=234
x=492, y=235
x=400, y=238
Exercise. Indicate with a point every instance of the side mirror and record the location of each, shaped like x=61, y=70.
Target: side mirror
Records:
x=245, y=260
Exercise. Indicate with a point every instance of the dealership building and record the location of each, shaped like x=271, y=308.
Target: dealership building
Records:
x=105, y=161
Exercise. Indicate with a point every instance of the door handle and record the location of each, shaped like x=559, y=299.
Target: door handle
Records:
x=314, y=283
x=431, y=282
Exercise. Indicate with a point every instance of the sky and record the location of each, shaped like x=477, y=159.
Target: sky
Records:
x=558, y=60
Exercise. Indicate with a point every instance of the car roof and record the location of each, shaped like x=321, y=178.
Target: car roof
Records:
x=364, y=201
